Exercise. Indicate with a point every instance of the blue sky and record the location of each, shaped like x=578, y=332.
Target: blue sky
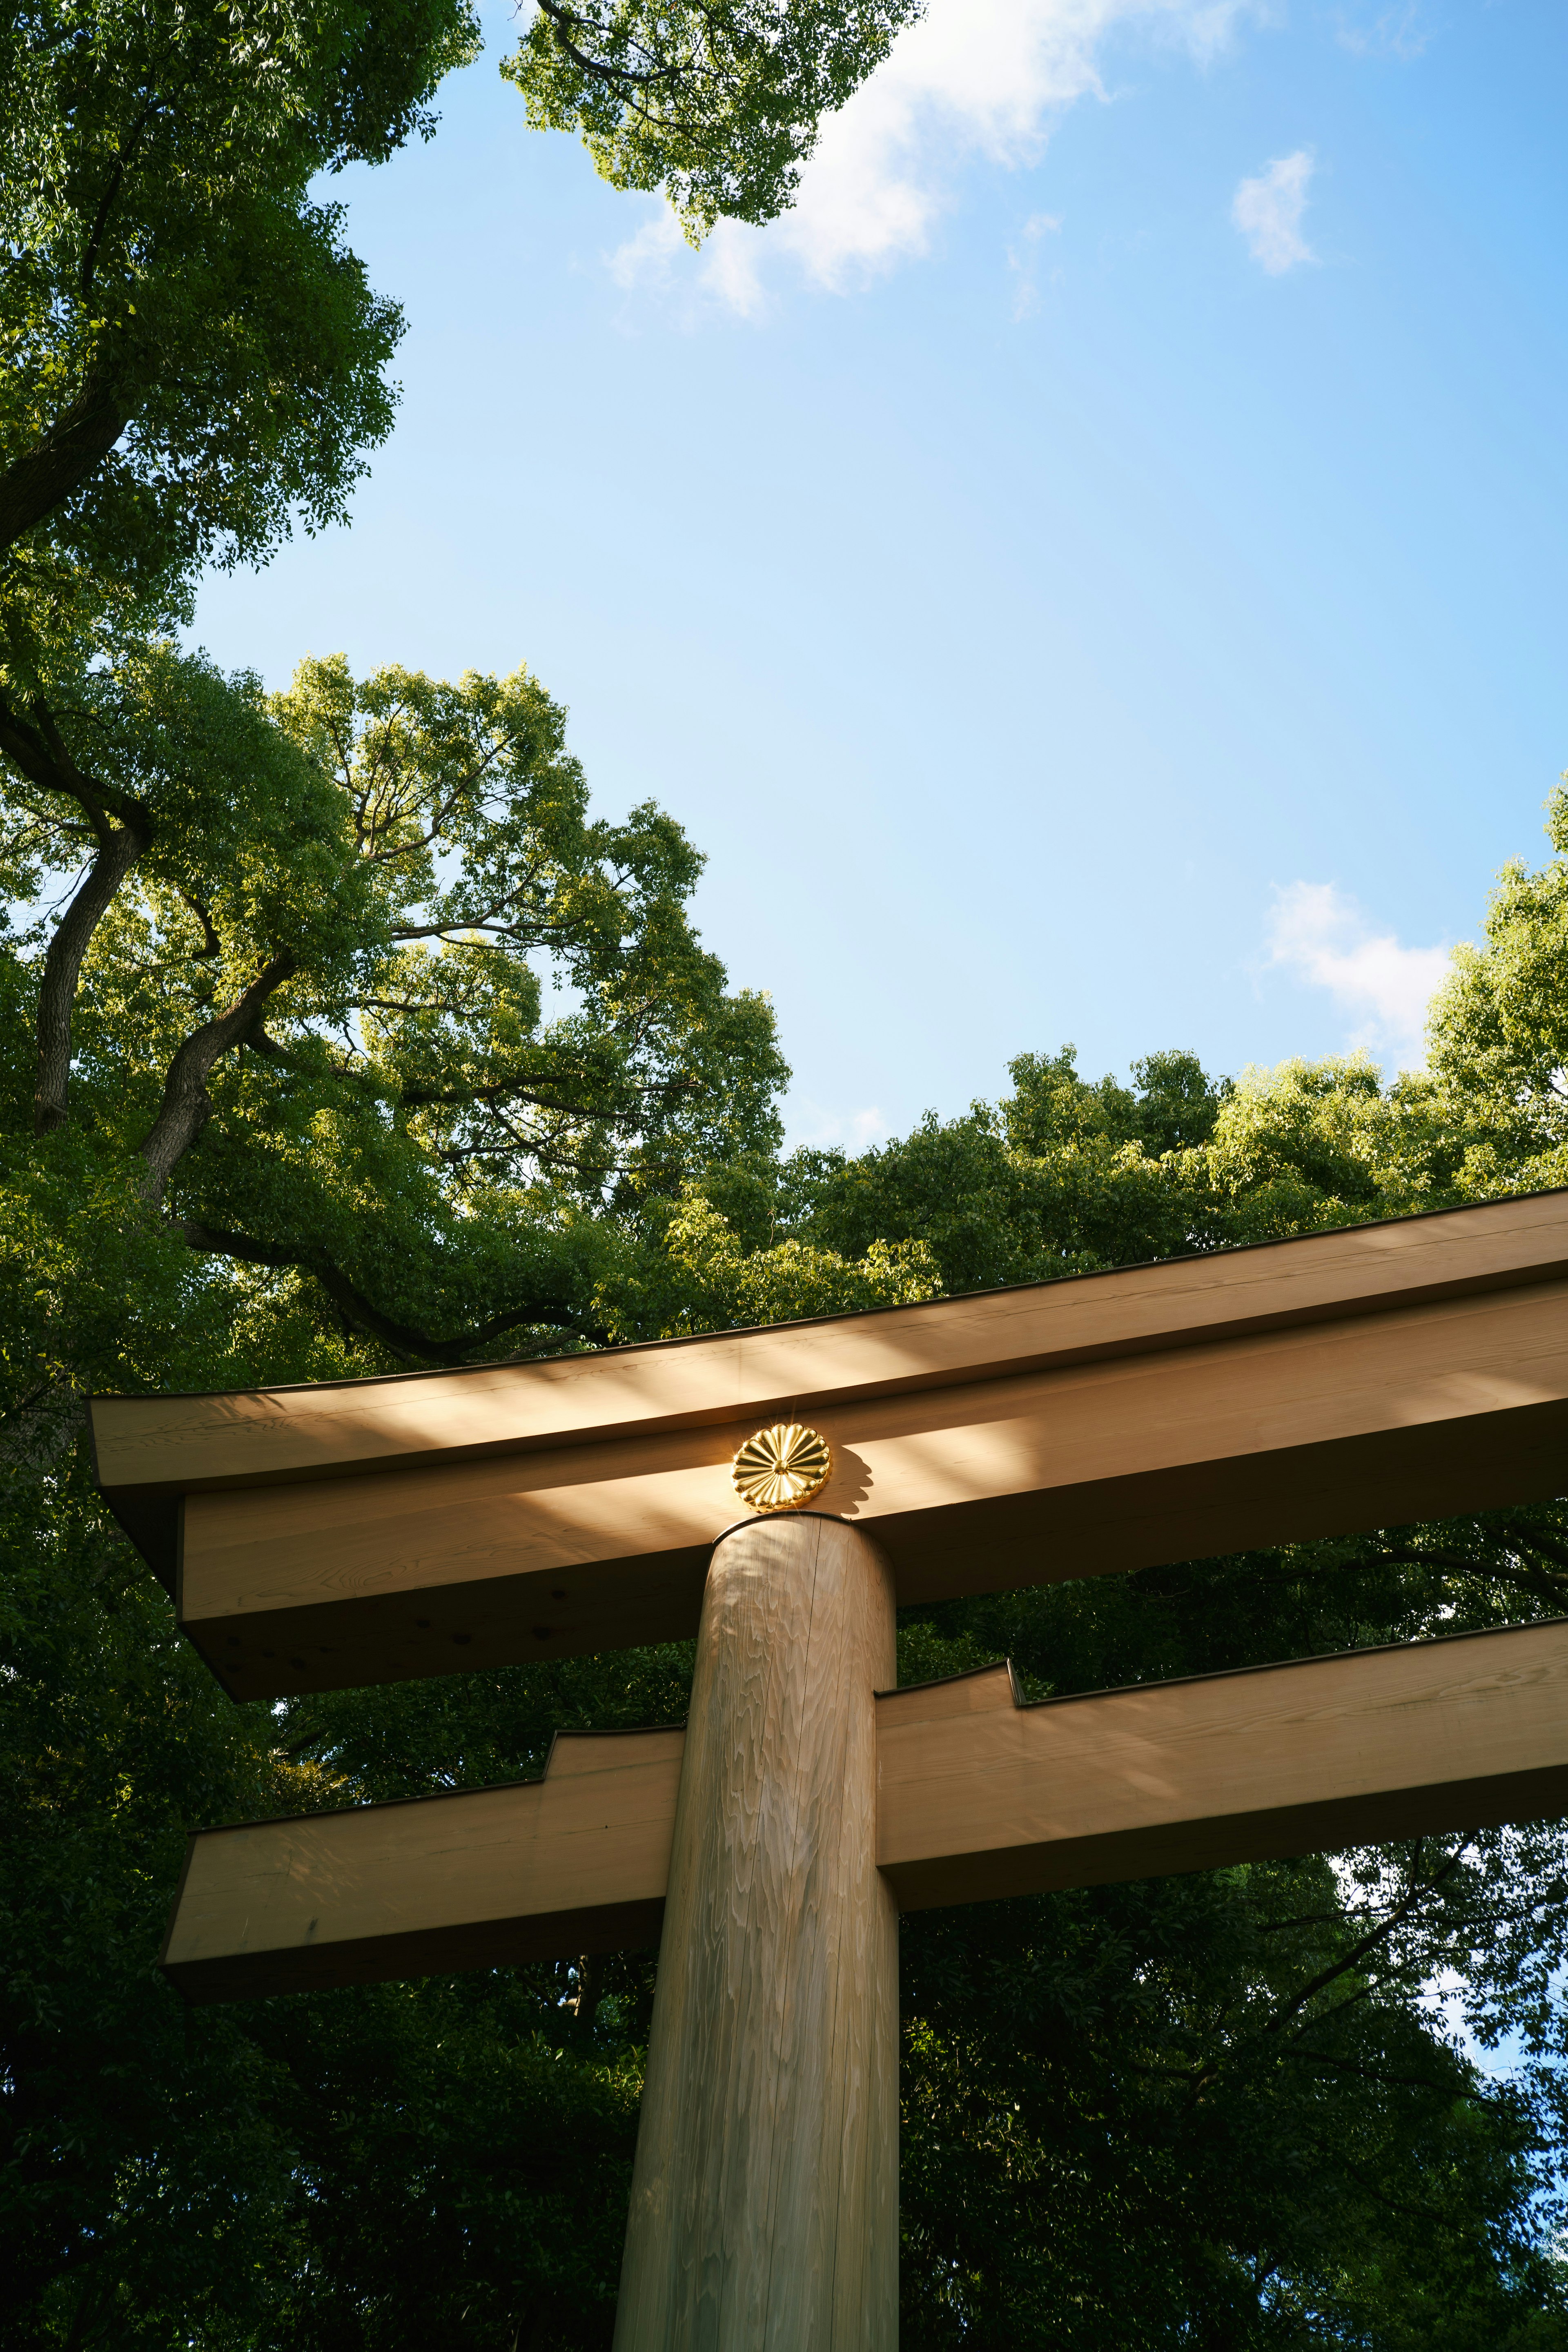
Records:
x=1092, y=572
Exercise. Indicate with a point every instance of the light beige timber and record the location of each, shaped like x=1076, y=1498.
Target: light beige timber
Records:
x=1306, y=1428
x=574, y=1862
x=152, y=1450
x=186, y=1444
x=979, y=1797
x=764, y=2198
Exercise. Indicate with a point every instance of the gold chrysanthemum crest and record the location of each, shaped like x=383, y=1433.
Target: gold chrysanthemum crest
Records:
x=781, y=1466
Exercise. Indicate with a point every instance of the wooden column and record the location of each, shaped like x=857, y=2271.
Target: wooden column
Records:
x=764, y=2198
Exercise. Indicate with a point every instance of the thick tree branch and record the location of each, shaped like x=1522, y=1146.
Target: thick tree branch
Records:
x=186, y=1105
x=483, y=1095
x=126, y=157
x=211, y=945
x=62, y=969
x=564, y=21
x=36, y=749
x=403, y=1338
x=76, y=443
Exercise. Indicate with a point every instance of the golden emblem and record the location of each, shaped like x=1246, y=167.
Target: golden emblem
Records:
x=781, y=1466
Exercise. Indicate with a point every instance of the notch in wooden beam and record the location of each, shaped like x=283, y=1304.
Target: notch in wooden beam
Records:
x=979, y=1796
x=576, y=1862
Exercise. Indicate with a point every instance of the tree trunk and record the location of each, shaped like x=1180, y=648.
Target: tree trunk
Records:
x=118, y=853
x=764, y=2198
x=44, y=478
x=186, y=1108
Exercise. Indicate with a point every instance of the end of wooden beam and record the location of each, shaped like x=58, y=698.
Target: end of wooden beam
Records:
x=547, y=1869
x=983, y=1690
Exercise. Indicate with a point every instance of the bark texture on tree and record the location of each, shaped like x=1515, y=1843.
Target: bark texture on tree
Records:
x=186, y=1105
x=44, y=477
x=118, y=853
x=764, y=2198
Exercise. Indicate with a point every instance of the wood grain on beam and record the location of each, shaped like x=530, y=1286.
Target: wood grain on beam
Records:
x=541, y=1869
x=1311, y=1428
x=979, y=1797
x=765, y=2203
x=150, y=1449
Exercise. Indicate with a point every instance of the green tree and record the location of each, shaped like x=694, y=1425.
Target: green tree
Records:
x=1499, y=1030
x=717, y=101
x=361, y=1042
x=193, y=354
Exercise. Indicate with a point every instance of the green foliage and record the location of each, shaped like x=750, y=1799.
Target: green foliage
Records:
x=717, y=101
x=117, y=2114
x=382, y=1049
x=193, y=354
x=1500, y=1033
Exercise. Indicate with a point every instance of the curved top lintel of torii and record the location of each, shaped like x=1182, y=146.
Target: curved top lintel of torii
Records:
x=369, y=1530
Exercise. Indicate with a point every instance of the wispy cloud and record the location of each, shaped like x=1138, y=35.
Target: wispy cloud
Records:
x=1321, y=936
x=1024, y=261
x=648, y=258
x=983, y=78
x=1267, y=211
x=808, y=1124
x=1394, y=32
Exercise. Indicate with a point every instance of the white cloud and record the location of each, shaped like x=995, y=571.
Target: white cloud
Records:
x=1396, y=32
x=1267, y=211
x=1323, y=936
x=1024, y=261
x=650, y=256
x=973, y=78
x=809, y=1125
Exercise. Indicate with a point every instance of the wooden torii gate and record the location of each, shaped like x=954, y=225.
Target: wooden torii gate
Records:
x=363, y=1531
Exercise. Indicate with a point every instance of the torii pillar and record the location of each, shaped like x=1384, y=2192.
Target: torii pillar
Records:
x=764, y=2207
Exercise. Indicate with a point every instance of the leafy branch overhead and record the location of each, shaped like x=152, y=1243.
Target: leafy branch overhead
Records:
x=193, y=354
x=365, y=943
x=717, y=101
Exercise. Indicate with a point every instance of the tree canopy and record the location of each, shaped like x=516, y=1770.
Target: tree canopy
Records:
x=720, y=105
x=338, y=1035
x=193, y=355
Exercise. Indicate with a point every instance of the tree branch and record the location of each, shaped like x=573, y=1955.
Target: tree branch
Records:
x=1368, y=1943
x=403, y=1338
x=43, y=476
x=186, y=1105
x=39, y=752
x=126, y=157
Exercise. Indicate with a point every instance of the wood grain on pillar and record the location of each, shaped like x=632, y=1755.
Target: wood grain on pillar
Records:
x=764, y=2199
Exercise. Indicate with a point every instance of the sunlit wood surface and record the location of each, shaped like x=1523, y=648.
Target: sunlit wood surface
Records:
x=977, y=1797
x=1315, y=1387
x=574, y=1862
x=765, y=2196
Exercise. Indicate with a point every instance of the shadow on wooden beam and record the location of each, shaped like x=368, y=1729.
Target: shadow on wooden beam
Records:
x=979, y=1797
x=483, y=1878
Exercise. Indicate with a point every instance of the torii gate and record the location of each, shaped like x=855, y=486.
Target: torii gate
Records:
x=367, y=1530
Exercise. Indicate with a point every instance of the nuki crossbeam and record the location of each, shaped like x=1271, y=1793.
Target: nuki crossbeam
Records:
x=977, y=1795
x=371, y=1530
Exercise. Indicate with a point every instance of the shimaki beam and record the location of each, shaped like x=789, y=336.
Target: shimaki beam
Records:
x=373, y=1530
